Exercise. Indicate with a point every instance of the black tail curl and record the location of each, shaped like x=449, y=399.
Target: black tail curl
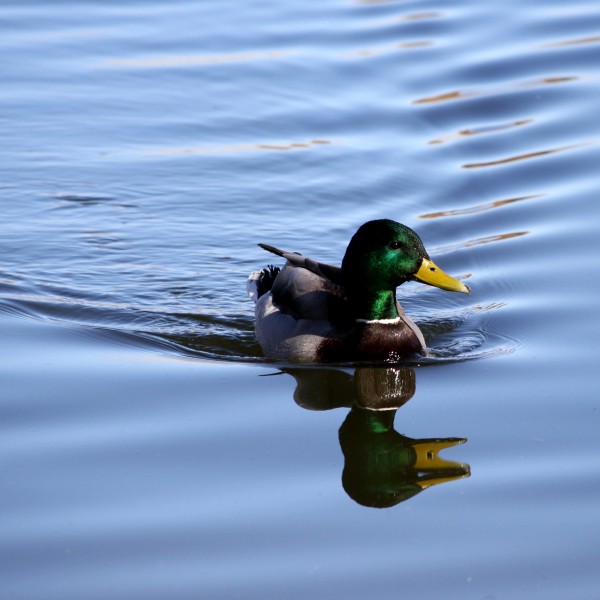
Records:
x=266, y=278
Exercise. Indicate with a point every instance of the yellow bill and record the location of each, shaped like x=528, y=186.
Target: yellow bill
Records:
x=437, y=469
x=431, y=274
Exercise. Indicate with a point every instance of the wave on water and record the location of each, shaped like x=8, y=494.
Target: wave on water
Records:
x=452, y=335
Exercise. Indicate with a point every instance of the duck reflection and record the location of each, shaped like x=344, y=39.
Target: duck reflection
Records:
x=382, y=467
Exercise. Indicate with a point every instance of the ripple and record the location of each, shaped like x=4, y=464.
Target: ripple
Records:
x=480, y=130
x=396, y=19
x=68, y=200
x=593, y=39
x=527, y=156
x=471, y=210
x=369, y=52
x=379, y=1
x=455, y=335
x=83, y=199
x=490, y=239
x=163, y=62
x=236, y=148
x=461, y=335
x=496, y=90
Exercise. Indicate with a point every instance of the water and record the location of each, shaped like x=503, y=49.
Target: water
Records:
x=149, y=450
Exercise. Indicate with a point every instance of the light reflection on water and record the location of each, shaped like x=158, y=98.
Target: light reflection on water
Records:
x=538, y=154
x=478, y=208
x=517, y=86
x=184, y=61
x=237, y=148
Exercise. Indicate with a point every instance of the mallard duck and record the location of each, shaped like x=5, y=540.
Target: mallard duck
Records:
x=314, y=312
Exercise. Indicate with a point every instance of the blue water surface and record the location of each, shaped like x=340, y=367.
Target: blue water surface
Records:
x=149, y=450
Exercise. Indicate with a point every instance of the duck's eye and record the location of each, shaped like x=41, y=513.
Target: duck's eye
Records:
x=395, y=245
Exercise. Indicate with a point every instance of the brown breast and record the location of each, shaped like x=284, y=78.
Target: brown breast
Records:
x=372, y=341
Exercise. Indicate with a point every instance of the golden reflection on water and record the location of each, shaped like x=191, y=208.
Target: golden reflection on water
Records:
x=367, y=52
x=479, y=241
x=422, y=16
x=159, y=62
x=471, y=210
x=595, y=39
x=517, y=86
x=379, y=1
x=518, y=157
x=480, y=130
x=456, y=95
x=235, y=148
x=396, y=19
x=553, y=80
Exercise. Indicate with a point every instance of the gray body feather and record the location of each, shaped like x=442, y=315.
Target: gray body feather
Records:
x=306, y=317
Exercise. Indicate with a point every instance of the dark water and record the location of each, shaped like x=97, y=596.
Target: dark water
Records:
x=148, y=449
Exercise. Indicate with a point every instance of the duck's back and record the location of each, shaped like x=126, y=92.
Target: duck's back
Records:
x=306, y=295
x=300, y=311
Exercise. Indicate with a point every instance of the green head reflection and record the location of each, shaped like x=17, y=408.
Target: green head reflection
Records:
x=383, y=467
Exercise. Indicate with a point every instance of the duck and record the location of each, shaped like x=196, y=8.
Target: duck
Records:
x=308, y=311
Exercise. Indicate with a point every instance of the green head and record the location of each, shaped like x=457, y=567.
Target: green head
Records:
x=382, y=255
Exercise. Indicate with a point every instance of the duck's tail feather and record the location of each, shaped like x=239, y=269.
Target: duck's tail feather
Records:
x=330, y=272
x=274, y=250
x=261, y=282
